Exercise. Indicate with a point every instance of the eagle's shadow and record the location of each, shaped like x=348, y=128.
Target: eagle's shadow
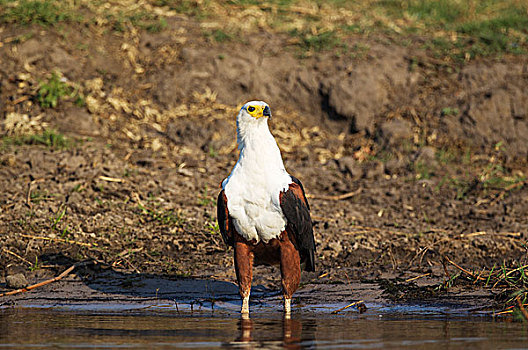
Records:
x=117, y=286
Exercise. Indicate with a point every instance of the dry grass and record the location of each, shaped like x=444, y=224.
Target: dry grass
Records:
x=451, y=29
x=509, y=283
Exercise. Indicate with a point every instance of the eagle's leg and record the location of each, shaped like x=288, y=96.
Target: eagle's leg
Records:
x=290, y=272
x=244, y=272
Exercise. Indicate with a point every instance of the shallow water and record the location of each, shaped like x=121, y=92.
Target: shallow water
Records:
x=159, y=328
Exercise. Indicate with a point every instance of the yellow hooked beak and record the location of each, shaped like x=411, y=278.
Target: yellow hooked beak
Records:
x=258, y=111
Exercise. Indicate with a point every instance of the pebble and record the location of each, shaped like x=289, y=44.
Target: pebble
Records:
x=16, y=281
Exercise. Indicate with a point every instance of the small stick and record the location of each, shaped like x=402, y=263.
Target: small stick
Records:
x=478, y=277
x=521, y=307
x=348, y=233
x=60, y=240
x=28, y=196
x=508, y=188
x=337, y=197
x=515, y=270
x=111, y=179
x=346, y=307
x=511, y=234
x=472, y=234
x=17, y=256
x=321, y=218
x=130, y=264
x=417, y=277
x=445, y=268
x=21, y=99
x=55, y=279
x=176, y=304
x=138, y=200
x=462, y=269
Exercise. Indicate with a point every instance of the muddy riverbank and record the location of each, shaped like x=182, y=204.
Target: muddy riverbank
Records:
x=115, y=140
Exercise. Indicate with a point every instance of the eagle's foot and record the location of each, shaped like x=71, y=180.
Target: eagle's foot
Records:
x=287, y=306
x=245, y=305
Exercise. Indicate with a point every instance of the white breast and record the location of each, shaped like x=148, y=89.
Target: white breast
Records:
x=253, y=187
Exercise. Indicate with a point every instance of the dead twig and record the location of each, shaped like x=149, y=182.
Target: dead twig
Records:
x=501, y=195
x=417, y=277
x=137, y=199
x=515, y=270
x=462, y=269
x=446, y=273
x=21, y=99
x=521, y=307
x=60, y=240
x=346, y=307
x=321, y=218
x=421, y=252
x=43, y=283
x=111, y=179
x=337, y=197
x=28, y=196
x=349, y=233
x=473, y=234
x=131, y=265
x=17, y=256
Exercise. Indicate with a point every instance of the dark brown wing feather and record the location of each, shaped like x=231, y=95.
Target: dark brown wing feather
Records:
x=297, y=211
x=224, y=222
x=298, y=182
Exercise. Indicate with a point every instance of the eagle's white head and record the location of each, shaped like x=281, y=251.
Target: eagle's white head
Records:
x=252, y=120
x=254, y=110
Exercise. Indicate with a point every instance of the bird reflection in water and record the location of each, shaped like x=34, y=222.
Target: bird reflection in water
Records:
x=292, y=333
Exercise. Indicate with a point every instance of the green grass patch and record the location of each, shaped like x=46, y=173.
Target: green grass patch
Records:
x=423, y=170
x=186, y=7
x=51, y=91
x=156, y=26
x=142, y=19
x=280, y=3
x=322, y=41
x=447, y=155
x=494, y=176
x=43, y=12
x=219, y=36
x=48, y=138
x=450, y=111
x=212, y=228
x=464, y=29
x=38, y=196
x=164, y=217
x=206, y=199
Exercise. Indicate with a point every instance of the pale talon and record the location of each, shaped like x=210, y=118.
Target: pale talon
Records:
x=287, y=306
x=245, y=306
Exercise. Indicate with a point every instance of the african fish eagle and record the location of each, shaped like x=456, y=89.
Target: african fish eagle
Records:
x=262, y=210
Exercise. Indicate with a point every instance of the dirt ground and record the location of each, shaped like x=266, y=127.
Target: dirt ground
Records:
x=411, y=164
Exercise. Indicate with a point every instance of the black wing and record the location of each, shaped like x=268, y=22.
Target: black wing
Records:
x=298, y=182
x=297, y=211
x=223, y=219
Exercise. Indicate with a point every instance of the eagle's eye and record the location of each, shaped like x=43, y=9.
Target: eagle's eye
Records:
x=251, y=109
